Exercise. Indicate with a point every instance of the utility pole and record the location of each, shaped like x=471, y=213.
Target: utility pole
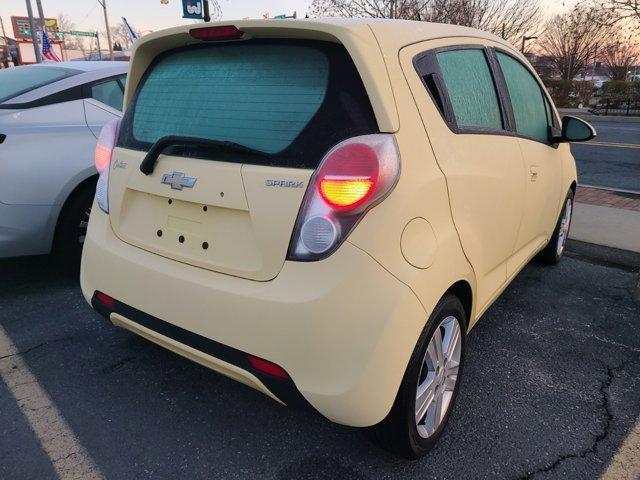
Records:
x=7, y=55
x=40, y=14
x=103, y=3
x=34, y=36
x=42, y=25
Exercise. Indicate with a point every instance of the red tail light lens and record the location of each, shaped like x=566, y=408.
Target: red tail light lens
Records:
x=216, y=34
x=354, y=176
x=105, y=145
x=348, y=176
x=267, y=367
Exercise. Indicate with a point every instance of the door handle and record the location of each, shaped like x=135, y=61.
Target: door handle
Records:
x=533, y=171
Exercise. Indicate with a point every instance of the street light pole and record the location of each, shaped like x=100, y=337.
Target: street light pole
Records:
x=103, y=3
x=34, y=37
x=525, y=39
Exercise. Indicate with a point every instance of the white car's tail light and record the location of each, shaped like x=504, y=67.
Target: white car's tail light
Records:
x=353, y=176
x=104, y=151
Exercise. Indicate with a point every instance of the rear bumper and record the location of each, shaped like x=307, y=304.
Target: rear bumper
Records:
x=339, y=327
x=25, y=229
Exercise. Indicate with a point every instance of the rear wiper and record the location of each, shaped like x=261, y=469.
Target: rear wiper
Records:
x=162, y=143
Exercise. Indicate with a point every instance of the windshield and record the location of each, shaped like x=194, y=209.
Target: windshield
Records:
x=19, y=80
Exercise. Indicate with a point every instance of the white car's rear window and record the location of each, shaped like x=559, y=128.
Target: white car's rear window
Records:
x=19, y=80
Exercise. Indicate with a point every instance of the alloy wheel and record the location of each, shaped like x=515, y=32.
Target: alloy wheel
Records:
x=563, y=233
x=438, y=376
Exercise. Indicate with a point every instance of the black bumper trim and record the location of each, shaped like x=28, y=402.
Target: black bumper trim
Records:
x=283, y=389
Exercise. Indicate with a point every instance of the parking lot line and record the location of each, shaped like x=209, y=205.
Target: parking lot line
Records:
x=69, y=458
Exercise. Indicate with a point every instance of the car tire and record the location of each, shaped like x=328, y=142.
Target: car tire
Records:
x=552, y=253
x=401, y=432
x=73, y=221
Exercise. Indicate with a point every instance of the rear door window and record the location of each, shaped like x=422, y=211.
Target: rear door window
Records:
x=292, y=101
x=527, y=100
x=110, y=93
x=470, y=87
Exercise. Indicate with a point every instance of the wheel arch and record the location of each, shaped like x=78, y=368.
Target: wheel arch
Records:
x=87, y=182
x=463, y=292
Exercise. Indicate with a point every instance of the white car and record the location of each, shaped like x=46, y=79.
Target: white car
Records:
x=50, y=117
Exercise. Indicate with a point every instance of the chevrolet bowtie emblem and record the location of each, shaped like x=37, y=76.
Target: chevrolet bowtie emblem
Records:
x=178, y=181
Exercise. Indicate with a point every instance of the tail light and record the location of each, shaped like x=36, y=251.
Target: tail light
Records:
x=353, y=176
x=104, y=152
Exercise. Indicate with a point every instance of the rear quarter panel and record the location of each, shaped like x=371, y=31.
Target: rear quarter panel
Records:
x=47, y=152
x=421, y=192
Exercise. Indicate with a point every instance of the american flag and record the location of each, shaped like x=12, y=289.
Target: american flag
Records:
x=47, y=51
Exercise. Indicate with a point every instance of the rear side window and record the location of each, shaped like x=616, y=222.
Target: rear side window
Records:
x=110, y=93
x=470, y=87
x=292, y=101
x=527, y=99
x=19, y=80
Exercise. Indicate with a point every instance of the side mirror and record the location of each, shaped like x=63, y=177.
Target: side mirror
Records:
x=575, y=129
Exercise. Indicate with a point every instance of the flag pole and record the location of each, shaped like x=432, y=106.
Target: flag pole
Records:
x=34, y=36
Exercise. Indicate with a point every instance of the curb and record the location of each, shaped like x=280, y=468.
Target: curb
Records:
x=606, y=256
x=589, y=117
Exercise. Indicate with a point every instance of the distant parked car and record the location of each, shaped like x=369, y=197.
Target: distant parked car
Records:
x=50, y=117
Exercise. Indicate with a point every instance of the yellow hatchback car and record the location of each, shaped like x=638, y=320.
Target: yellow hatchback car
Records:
x=322, y=209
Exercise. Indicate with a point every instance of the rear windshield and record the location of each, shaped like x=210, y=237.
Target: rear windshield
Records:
x=290, y=101
x=19, y=80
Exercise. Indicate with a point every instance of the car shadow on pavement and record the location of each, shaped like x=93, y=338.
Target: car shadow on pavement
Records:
x=550, y=389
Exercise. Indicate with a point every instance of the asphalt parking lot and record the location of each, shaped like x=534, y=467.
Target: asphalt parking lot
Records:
x=608, y=165
x=550, y=390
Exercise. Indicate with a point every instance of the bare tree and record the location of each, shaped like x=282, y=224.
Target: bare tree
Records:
x=64, y=25
x=120, y=34
x=616, y=11
x=405, y=9
x=573, y=39
x=510, y=19
x=618, y=57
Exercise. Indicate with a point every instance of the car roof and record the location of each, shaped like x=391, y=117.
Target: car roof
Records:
x=83, y=72
x=86, y=66
x=371, y=43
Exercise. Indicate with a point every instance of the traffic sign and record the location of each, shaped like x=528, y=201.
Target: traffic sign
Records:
x=79, y=33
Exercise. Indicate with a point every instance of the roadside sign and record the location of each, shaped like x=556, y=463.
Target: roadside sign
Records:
x=79, y=33
x=22, y=31
x=192, y=9
x=285, y=16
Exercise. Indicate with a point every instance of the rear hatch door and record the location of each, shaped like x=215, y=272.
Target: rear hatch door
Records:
x=273, y=109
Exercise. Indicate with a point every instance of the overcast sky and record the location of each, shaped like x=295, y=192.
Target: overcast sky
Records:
x=152, y=14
